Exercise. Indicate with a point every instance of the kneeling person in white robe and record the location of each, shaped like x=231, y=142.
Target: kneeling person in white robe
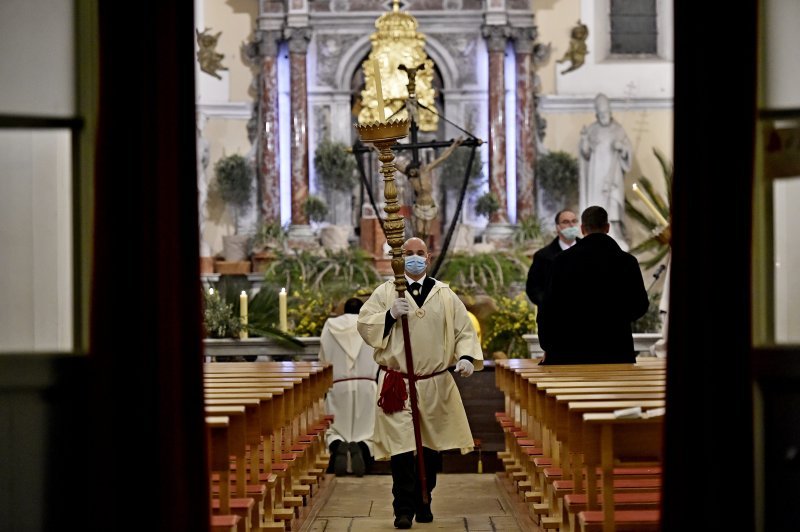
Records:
x=352, y=399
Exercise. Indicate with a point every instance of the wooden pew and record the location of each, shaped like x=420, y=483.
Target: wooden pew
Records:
x=609, y=439
x=295, y=438
x=268, y=469
x=262, y=489
x=644, y=477
x=526, y=412
x=299, y=422
x=219, y=460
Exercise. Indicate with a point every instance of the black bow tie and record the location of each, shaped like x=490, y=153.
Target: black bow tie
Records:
x=415, y=289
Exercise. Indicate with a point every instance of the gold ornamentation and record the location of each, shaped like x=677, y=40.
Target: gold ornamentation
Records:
x=210, y=60
x=397, y=42
x=420, y=312
x=576, y=54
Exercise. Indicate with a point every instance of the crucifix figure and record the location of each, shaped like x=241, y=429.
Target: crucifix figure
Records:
x=420, y=176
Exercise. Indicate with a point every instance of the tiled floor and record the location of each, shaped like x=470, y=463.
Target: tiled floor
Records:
x=461, y=503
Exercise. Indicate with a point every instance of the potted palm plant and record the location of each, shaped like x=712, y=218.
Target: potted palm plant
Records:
x=234, y=182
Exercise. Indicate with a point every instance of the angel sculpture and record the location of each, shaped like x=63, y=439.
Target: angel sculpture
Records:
x=576, y=54
x=210, y=61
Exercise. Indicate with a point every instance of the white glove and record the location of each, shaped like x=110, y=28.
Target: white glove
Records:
x=400, y=307
x=464, y=367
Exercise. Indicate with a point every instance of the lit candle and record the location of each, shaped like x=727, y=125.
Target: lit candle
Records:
x=378, y=90
x=663, y=221
x=211, y=291
x=282, y=306
x=243, y=314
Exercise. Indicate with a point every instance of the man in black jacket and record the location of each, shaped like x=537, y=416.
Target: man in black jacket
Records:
x=596, y=291
x=568, y=230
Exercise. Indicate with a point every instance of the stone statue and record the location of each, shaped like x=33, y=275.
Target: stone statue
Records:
x=605, y=156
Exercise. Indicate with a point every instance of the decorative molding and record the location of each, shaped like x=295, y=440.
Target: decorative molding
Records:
x=231, y=110
x=567, y=104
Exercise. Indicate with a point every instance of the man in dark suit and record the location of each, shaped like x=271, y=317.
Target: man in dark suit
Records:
x=568, y=230
x=596, y=291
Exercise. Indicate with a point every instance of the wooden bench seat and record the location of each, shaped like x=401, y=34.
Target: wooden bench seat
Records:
x=286, y=450
x=624, y=521
x=575, y=503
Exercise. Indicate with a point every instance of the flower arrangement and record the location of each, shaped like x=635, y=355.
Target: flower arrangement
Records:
x=307, y=312
x=514, y=317
x=218, y=316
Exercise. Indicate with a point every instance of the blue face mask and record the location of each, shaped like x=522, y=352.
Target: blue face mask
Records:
x=571, y=233
x=415, y=264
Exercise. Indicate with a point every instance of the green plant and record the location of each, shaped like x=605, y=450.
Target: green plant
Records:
x=658, y=241
x=495, y=274
x=315, y=208
x=487, y=205
x=337, y=274
x=235, y=183
x=221, y=316
x=557, y=175
x=452, y=173
x=269, y=234
x=513, y=318
x=218, y=316
x=529, y=229
x=335, y=166
x=651, y=321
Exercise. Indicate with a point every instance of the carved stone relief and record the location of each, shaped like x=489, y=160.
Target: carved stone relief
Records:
x=462, y=48
x=330, y=48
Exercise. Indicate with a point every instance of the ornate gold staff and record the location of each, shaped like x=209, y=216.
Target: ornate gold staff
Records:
x=383, y=135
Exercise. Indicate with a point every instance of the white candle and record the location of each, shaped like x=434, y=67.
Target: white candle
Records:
x=663, y=221
x=282, y=307
x=243, y=314
x=211, y=291
x=378, y=90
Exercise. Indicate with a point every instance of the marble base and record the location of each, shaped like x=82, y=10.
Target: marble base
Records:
x=499, y=234
x=302, y=237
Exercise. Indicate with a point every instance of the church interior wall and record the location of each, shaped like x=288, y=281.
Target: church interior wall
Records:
x=226, y=136
x=341, y=39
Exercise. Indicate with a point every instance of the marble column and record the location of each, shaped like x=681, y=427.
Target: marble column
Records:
x=268, y=127
x=496, y=39
x=525, y=122
x=298, y=48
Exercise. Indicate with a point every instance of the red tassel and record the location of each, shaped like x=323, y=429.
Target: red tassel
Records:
x=393, y=394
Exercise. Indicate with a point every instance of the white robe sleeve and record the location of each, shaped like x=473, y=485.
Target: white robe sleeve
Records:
x=372, y=317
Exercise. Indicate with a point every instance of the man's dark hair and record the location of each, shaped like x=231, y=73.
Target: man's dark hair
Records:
x=352, y=305
x=559, y=213
x=594, y=218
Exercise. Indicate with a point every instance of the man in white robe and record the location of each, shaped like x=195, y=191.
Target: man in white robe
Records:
x=351, y=401
x=441, y=336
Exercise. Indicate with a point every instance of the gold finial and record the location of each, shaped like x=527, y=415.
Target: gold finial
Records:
x=398, y=42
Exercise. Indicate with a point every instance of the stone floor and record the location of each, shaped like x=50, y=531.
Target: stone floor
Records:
x=462, y=502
